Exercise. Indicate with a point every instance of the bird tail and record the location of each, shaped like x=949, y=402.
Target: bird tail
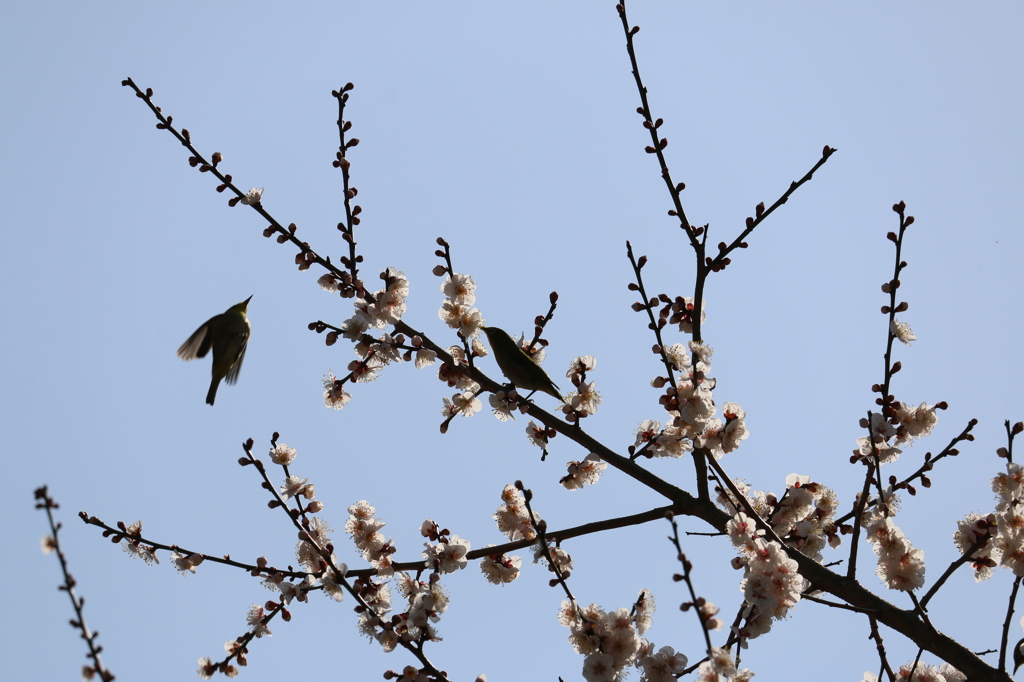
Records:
x=212, y=393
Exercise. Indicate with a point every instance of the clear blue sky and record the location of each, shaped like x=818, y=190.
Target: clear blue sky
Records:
x=509, y=130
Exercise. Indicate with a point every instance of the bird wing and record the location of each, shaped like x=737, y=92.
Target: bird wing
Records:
x=232, y=375
x=197, y=345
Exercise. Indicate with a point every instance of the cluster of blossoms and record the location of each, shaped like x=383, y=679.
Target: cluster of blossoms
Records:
x=465, y=403
x=680, y=436
x=915, y=422
x=720, y=666
x=449, y=554
x=186, y=564
x=974, y=536
x=425, y=601
x=882, y=432
x=500, y=569
x=274, y=579
x=364, y=529
x=583, y=473
x=1009, y=519
x=410, y=673
x=132, y=544
x=514, y=522
x=512, y=517
x=234, y=647
x=256, y=619
x=335, y=395
x=922, y=672
x=721, y=439
x=803, y=518
x=612, y=641
x=457, y=310
x=373, y=622
x=663, y=665
x=383, y=308
x=208, y=668
x=900, y=565
x=682, y=313
x=584, y=401
x=771, y=582
x=694, y=403
x=503, y=403
x=906, y=424
x=295, y=487
x=656, y=441
x=453, y=375
x=561, y=561
x=691, y=404
x=998, y=538
x=311, y=550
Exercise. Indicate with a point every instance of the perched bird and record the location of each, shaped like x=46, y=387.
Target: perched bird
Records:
x=227, y=334
x=517, y=366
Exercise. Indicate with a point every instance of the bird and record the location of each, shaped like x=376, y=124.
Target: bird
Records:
x=517, y=366
x=227, y=334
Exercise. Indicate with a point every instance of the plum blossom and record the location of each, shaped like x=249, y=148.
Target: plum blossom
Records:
x=465, y=404
x=771, y=585
x=282, y=455
x=335, y=395
x=902, y=331
x=294, y=486
x=502, y=406
x=679, y=356
x=583, y=473
x=328, y=283
x=465, y=318
x=663, y=666
x=186, y=564
x=459, y=289
x=583, y=401
x=609, y=641
x=389, y=302
x=447, y=556
x=915, y=422
x=682, y=313
x=500, y=569
x=970, y=531
x=252, y=197
x=900, y=566
x=512, y=518
x=255, y=620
